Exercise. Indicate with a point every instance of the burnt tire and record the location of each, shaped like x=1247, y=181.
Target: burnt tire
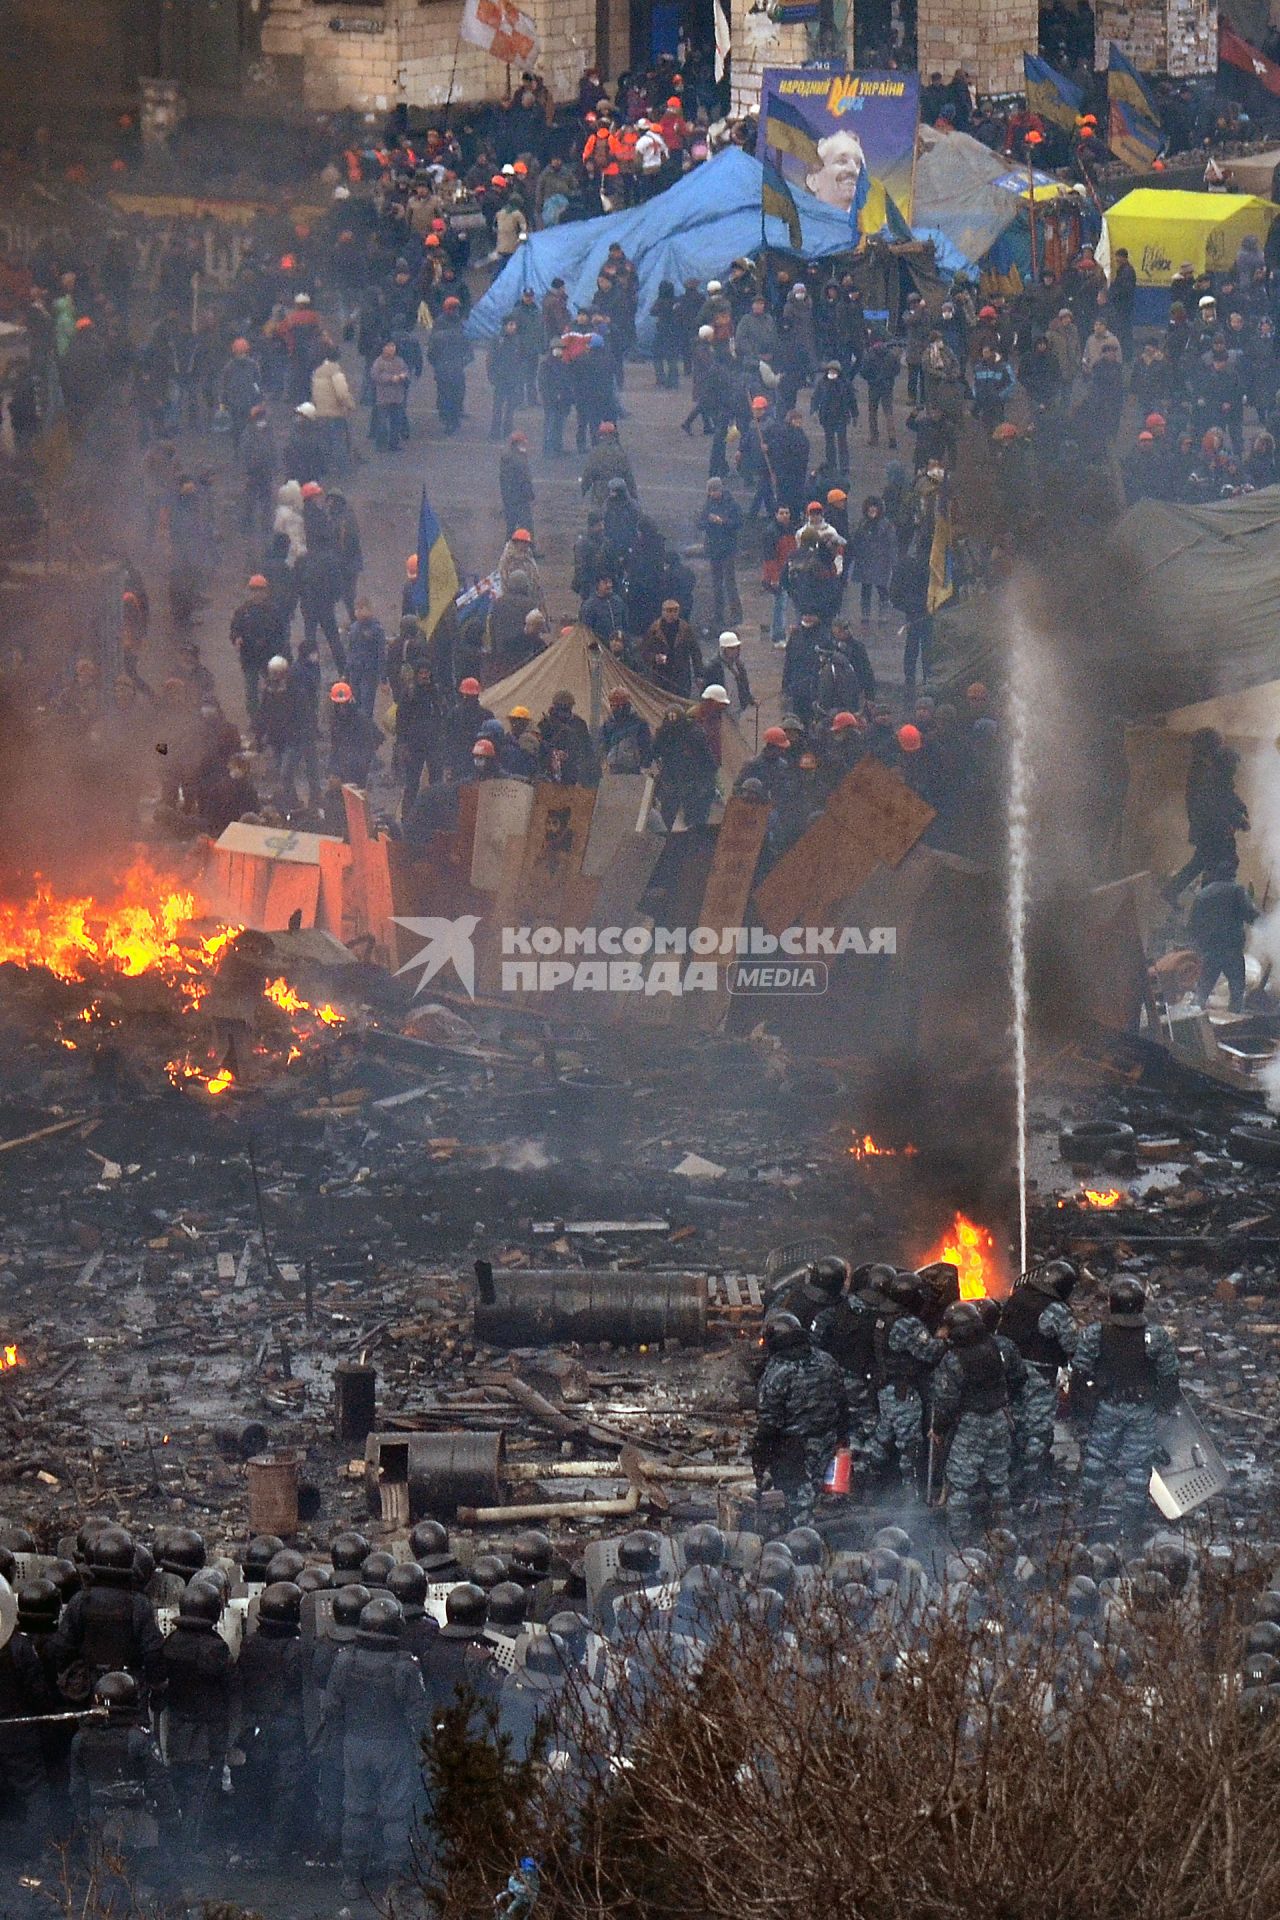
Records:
x=1094, y=1141
x=1260, y=1146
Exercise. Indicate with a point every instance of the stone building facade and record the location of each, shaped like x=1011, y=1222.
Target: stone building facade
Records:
x=1178, y=37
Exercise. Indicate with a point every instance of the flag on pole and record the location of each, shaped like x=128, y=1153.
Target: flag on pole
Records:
x=777, y=199
x=720, y=21
x=1134, y=140
x=1051, y=94
x=1124, y=82
x=787, y=133
x=942, y=582
x=437, y=581
x=501, y=29
x=1238, y=53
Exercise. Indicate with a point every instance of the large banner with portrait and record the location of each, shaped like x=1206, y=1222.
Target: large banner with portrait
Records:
x=849, y=139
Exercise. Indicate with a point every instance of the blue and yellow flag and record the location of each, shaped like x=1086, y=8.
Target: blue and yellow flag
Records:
x=437, y=581
x=1050, y=94
x=1134, y=140
x=777, y=199
x=1124, y=82
x=942, y=581
x=786, y=131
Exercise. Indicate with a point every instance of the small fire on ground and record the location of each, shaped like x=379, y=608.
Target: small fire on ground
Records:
x=865, y=1148
x=1098, y=1197
x=971, y=1249
x=9, y=1359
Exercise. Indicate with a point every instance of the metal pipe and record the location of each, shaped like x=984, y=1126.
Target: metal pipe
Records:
x=609, y=1470
x=537, y=1308
x=551, y=1510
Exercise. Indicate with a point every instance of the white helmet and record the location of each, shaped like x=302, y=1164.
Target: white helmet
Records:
x=716, y=694
x=713, y=286
x=729, y=639
x=277, y=664
x=706, y=333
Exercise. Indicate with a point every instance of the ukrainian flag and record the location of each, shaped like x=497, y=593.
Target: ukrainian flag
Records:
x=1124, y=82
x=942, y=580
x=1133, y=140
x=437, y=583
x=777, y=199
x=786, y=132
x=1050, y=94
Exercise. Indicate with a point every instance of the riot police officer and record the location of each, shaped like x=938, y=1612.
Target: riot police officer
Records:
x=376, y=1697
x=906, y=1354
x=274, y=1783
x=198, y=1706
x=1131, y=1368
x=1040, y=1324
x=802, y=1411
x=969, y=1398
x=110, y=1627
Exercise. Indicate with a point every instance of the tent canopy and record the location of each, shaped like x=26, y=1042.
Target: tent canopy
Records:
x=1252, y=172
x=1183, y=606
x=691, y=232
x=1163, y=228
x=576, y=662
x=965, y=196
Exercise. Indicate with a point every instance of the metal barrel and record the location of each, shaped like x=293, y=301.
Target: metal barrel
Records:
x=537, y=1308
x=355, y=1400
x=273, y=1494
x=439, y=1472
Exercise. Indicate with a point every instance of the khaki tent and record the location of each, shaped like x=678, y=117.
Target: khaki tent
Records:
x=1253, y=172
x=576, y=662
x=1155, y=816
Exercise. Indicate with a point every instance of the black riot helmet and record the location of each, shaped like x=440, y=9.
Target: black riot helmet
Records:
x=144, y=1567
x=805, y=1546
x=407, y=1583
x=783, y=1333
x=349, y=1552
x=488, y=1570
x=381, y=1621
x=180, y=1550
x=281, y=1604
x=988, y=1311
x=704, y=1546
x=895, y=1539
x=466, y=1605
x=874, y=1275
x=776, y=1570
x=111, y=1551
x=531, y=1555
x=17, y=1539
x=572, y=1629
x=828, y=1276
x=285, y=1565
x=39, y=1604
x=1082, y=1597
x=1127, y=1301
x=1061, y=1277
x=349, y=1603
x=906, y=1290
x=259, y=1554
x=1263, y=1637
x=8, y=1565
x=428, y=1541
x=507, y=1604
x=640, y=1551
x=200, y=1602
x=963, y=1323
x=543, y=1653
x=1266, y=1606
x=119, y=1694
x=376, y=1567
x=315, y=1579
x=65, y=1575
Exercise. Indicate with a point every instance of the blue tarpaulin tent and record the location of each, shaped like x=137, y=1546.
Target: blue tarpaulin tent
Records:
x=692, y=231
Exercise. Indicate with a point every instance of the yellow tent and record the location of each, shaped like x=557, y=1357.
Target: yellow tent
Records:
x=1164, y=227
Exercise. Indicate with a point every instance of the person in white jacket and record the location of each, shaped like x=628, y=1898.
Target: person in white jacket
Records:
x=289, y=519
x=334, y=405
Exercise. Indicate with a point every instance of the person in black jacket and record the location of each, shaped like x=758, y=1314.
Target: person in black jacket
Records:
x=565, y=751
x=200, y=1674
x=259, y=631
x=354, y=739
x=108, y=1628
x=449, y=352
x=273, y=1787
x=377, y=1700
x=419, y=731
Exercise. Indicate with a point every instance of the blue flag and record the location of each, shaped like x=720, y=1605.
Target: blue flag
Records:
x=437, y=580
x=1050, y=94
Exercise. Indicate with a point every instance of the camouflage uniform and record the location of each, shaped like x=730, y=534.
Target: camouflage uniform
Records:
x=1135, y=1375
x=907, y=1353
x=1046, y=1340
x=846, y=1330
x=970, y=1395
x=801, y=1399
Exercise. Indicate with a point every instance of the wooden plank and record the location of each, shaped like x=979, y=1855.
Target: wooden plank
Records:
x=289, y=889
x=618, y=898
x=371, y=891
x=622, y=801
x=335, y=859
x=727, y=892
x=553, y=849
x=503, y=810
x=876, y=803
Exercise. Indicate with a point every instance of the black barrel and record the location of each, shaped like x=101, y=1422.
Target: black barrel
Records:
x=355, y=1401
x=540, y=1307
x=441, y=1471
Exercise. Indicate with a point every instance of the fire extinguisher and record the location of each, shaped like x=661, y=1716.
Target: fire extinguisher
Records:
x=839, y=1475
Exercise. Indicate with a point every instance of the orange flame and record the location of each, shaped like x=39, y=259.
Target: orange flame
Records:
x=868, y=1149
x=133, y=933
x=972, y=1249
x=9, y=1359
x=1101, y=1196
x=290, y=1001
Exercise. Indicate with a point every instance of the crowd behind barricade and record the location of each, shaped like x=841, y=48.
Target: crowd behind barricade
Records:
x=317, y=351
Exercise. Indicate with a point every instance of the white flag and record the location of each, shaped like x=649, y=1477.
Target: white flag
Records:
x=722, y=37
x=501, y=29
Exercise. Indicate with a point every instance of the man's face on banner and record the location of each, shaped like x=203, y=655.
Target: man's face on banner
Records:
x=843, y=163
